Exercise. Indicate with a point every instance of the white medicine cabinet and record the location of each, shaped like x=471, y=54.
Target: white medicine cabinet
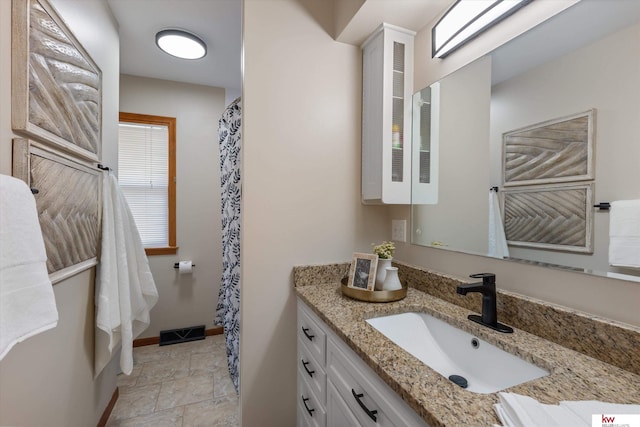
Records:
x=387, y=87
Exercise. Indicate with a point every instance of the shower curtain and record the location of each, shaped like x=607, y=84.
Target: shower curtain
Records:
x=228, y=308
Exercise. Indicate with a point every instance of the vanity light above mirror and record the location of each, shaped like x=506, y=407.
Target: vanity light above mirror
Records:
x=466, y=19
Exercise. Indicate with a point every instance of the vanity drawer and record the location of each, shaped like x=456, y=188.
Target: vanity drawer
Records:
x=371, y=401
x=311, y=412
x=310, y=333
x=312, y=370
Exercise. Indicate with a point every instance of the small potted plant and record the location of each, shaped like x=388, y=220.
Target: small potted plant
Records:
x=385, y=255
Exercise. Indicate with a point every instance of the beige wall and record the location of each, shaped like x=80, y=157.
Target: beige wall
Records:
x=48, y=379
x=460, y=217
x=186, y=300
x=301, y=186
x=613, y=299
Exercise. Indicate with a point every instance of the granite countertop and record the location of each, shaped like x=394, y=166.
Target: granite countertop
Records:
x=573, y=375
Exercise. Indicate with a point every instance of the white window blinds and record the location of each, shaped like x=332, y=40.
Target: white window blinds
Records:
x=143, y=175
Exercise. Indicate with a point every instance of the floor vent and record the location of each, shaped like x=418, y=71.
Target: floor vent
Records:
x=175, y=336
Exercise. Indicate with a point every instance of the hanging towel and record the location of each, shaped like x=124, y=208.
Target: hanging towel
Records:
x=624, y=233
x=125, y=289
x=27, y=302
x=497, y=241
x=515, y=410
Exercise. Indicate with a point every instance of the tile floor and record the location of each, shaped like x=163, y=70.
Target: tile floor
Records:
x=179, y=385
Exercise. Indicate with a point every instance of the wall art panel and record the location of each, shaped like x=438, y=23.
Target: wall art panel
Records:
x=69, y=203
x=550, y=217
x=56, y=86
x=559, y=150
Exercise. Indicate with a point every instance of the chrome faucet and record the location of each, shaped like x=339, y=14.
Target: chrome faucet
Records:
x=487, y=288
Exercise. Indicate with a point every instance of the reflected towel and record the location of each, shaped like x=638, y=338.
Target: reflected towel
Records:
x=515, y=410
x=624, y=233
x=125, y=289
x=27, y=302
x=497, y=241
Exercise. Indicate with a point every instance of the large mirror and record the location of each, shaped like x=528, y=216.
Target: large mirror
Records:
x=578, y=72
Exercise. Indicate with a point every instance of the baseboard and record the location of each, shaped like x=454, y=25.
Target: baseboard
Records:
x=107, y=411
x=218, y=330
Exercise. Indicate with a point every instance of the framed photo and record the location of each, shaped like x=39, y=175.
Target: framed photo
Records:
x=555, y=217
x=56, y=94
x=362, y=274
x=558, y=150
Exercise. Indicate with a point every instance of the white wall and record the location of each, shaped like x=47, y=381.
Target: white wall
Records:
x=600, y=76
x=301, y=186
x=186, y=300
x=48, y=379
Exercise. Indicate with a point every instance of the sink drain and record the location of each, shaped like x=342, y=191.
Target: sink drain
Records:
x=459, y=380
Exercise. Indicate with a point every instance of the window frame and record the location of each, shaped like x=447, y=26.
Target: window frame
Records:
x=170, y=122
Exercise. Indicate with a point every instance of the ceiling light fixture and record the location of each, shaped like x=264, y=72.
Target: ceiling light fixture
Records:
x=181, y=44
x=466, y=19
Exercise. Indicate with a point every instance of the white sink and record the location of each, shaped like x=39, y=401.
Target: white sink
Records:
x=451, y=351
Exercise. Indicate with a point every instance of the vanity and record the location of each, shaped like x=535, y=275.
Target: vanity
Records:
x=359, y=374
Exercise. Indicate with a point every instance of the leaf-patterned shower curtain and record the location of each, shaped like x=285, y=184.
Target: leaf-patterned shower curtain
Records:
x=228, y=308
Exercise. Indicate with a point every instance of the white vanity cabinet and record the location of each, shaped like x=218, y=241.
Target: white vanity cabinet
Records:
x=387, y=85
x=312, y=378
x=343, y=390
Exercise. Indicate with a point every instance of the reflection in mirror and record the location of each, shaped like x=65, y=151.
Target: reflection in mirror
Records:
x=425, y=138
x=584, y=58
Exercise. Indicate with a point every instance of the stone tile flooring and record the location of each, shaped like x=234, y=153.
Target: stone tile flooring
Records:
x=179, y=385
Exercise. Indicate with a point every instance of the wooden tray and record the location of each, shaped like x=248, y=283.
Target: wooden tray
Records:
x=372, y=296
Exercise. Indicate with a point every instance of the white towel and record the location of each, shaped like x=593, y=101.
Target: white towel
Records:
x=515, y=410
x=125, y=289
x=497, y=241
x=624, y=233
x=27, y=302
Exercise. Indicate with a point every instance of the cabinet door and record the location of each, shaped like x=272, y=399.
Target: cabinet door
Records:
x=312, y=370
x=338, y=413
x=426, y=145
x=386, y=115
x=372, y=402
x=309, y=407
x=312, y=334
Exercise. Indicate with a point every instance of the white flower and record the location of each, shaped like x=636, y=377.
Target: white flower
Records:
x=384, y=250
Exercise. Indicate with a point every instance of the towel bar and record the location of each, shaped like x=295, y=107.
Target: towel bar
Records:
x=603, y=206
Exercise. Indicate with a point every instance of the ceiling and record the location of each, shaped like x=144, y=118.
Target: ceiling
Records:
x=217, y=22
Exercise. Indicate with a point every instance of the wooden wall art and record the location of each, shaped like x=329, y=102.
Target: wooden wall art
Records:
x=56, y=86
x=559, y=150
x=69, y=204
x=550, y=217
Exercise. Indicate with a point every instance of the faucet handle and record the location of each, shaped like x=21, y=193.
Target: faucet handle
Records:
x=487, y=278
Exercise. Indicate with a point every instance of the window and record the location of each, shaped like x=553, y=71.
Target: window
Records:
x=146, y=174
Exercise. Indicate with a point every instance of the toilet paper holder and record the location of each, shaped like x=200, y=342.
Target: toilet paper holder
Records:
x=177, y=265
